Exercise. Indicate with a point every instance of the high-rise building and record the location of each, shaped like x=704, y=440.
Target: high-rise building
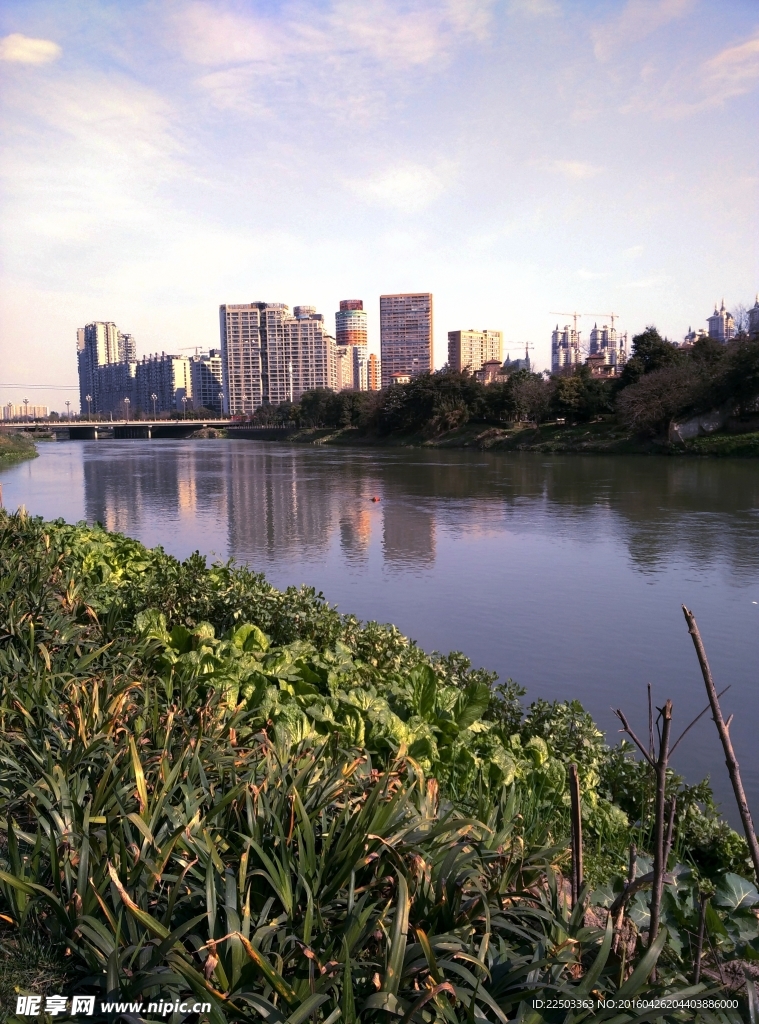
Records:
x=373, y=373
x=351, y=332
x=608, y=347
x=721, y=324
x=350, y=323
x=206, y=378
x=270, y=355
x=167, y=377
x=565, y=348
x=343, y=367
x=469, y=350
x=127, y=348
x=360, y=367
x=753, y=320
x=116, y=390
x=406, y=335
x=98, y=344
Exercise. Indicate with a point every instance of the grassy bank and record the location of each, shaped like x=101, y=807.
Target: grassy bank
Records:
x=216, y=789
x=15, y=448
x=602, y=438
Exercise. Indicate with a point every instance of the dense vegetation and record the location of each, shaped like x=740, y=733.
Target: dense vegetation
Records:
x=15, y=448
x=660, y=382
x=213, y=787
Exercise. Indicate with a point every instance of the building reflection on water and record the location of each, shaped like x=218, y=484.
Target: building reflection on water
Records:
x=266, y=503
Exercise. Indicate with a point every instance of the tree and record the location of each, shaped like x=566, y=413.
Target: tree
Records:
x=649, y=352
x=579, y=397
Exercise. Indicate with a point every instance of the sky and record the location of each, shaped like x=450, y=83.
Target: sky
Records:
x=520, y=159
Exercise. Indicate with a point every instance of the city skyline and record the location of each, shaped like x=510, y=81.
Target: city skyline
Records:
x=513, y=158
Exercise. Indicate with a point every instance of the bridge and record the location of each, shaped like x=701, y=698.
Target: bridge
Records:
x=94, y=430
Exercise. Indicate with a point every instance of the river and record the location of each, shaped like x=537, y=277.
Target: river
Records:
x=566, y=573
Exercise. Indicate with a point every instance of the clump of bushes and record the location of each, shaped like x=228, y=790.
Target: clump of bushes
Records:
x=214, y=787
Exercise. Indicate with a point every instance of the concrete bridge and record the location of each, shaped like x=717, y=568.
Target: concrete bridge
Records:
x=94, y=430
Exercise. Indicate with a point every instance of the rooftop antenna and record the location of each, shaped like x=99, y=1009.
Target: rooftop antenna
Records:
x=573, y=315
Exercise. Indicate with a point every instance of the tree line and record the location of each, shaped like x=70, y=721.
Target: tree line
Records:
x=660, y=382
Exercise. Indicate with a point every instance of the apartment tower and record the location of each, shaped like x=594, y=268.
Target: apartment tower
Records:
x=405, y=335
x=99, y=343
x=470, y=350
x=351, y=339
x=565, y=349
x=270, y=355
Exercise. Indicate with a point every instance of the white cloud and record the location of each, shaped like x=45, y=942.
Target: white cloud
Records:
x=638, y=20
x=341, y=55
x=633, y=251
x=577, y=169
x=696, y=86
x=25, y=50
x=406, y=186
x=733, y=71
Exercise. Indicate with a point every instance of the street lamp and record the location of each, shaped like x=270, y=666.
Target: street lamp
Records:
x=68, y=410
x=88, y=400
x=184, y=407
x=26, y=408
x=154, y=397
x=126, y=406
x=220, y=396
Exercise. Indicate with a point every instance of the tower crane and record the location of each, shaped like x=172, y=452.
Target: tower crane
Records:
x=573, y=315
x=611, y=316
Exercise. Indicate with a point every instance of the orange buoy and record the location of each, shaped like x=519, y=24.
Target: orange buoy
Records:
x=375, y=498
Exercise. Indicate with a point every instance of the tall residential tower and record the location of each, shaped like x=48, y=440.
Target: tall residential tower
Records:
x=469, y=350
x=270, y=355
x=352, y=351
x=405, y=335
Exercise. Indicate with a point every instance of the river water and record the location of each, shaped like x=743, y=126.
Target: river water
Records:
x=566, y=573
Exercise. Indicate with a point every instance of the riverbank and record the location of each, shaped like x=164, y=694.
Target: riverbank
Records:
x=15, y=448
x=602, y=438
x=211, y=709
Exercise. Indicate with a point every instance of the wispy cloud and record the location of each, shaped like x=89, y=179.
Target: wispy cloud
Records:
x=691, y=87
x=407, y=186
x=343, y=51
x=25, y=50
x=638, y=20
x=732, y=72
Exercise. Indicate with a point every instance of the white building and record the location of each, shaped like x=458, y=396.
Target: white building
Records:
x=270, y=355
x=721, y=324
x=99, y=343
x=24, y=412
x=607, y=342
x=565, y=348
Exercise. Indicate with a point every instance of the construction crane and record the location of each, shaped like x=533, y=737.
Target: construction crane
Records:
x=611, y=316
x=190, y=348
x=573, y=315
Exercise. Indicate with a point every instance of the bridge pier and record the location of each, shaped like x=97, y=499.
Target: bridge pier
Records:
x=83, y=433
x=132, y=431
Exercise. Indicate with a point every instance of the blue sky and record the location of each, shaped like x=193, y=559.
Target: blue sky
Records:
x=514, y=157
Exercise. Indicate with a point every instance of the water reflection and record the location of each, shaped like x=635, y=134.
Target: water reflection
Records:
x=277, y=502
x=565, y=572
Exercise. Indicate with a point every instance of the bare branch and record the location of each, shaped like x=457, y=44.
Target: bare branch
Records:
x=696, y=719
x=631, y=734
x=731, y=761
